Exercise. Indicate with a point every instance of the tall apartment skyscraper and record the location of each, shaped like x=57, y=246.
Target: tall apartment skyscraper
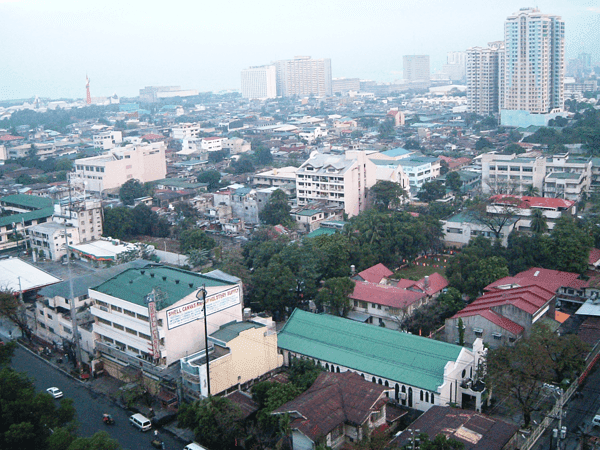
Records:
x=416, y=68
x=456, y=65
x=482, y=78
x=532, y=67
x=304, y=76
x=259, y=82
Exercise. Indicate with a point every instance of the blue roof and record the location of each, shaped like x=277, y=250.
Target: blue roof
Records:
x=398, y=151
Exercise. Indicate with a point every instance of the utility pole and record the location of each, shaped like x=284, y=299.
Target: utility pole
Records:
x=202, y=294
x=78, y=361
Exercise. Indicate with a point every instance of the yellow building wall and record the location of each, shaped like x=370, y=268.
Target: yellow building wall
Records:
x=252, y=354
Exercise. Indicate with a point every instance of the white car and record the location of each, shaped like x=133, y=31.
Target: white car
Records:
x=54, y=392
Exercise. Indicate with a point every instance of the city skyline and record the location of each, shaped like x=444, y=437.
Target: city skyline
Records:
x=124, y=47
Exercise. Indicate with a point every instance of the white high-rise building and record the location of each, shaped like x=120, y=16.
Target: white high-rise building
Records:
x=416, y=68
x=532, y=66
x=259, y=82
x=304, y=76
x=456, y=65
x=482, y=79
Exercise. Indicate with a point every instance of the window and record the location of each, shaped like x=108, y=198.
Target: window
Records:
x=116, y=308
x=129, y=313
x=118, y=327
x=130, y=331
x=104, y=321
x=144, y=336
x=141, y=317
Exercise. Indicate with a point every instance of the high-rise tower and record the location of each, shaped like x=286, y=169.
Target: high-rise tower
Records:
x=532, y=66
x=88, y=99
x=259, y=82
x=304, y=76
x=482, y=79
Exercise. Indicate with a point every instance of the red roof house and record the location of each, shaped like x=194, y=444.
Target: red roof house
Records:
x=510, y=306
x=336, y=408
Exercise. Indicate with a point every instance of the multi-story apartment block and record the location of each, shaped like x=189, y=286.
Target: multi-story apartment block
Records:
x=108, y=140
x=276, y=177
x=236, y=145
x=343, y=85
x=482, y=79
x=186, y=131
x=151, y=317
x=304, y=76
x=49, y=240
x=342, y=180
x=559, y=176
x=259, y=82
x=212, y=144
x=415, y=168
x=20, y=212
x=456, y=65
x=85, y=215
x=533, y=67
x=416, y=67
x=106, y=173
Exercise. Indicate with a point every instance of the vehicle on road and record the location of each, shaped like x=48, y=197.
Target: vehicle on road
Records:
x=193, y=446
x=596, y=419
x=140, y=422
x=108, y=419
x=54, y=392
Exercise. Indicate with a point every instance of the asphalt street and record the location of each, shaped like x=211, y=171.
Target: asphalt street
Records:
x=89, y=405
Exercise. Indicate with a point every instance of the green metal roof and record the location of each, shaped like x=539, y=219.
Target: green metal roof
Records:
x=231, y=330
x=402, y=357
x=308, y=212
x=26, y=217
x=321, y=231
x=134, y=284
x=26, y=201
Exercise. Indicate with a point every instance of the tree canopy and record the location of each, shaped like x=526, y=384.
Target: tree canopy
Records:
x=212, y=177
x=277, y=210
x=387, y=194
x=431, y=190
x=133, y=189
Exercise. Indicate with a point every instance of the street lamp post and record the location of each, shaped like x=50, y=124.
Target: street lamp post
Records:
x=201, y=294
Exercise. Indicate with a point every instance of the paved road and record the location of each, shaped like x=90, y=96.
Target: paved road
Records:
x=579, y=413
x=89, y=406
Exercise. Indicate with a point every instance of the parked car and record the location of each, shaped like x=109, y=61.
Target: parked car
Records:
x=54, y=392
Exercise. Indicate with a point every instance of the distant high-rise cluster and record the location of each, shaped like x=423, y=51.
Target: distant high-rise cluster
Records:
x=528, y=66
x=301, y=76
x=456, y=65
x=259, y=82
x=416, y=68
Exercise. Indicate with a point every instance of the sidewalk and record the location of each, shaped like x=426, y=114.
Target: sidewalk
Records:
x=104, y=385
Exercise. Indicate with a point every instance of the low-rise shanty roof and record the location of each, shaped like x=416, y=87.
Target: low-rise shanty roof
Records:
x=475, y=430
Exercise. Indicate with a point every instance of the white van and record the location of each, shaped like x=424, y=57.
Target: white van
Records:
x=194, y=446
x=140, y=422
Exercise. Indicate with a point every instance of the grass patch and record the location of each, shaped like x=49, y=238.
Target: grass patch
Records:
x=418, y=270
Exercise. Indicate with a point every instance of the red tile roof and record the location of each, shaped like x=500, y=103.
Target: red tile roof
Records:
x=594, y=256
x=332, y=400
x=526, y=202
x=386, y=295
x=375, y=273
x=436, y=283
x=211, y=138
x=549, y=279
x=152, y=137
x=8, y=137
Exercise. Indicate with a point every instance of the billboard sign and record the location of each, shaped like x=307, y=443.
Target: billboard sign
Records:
x=195, y=310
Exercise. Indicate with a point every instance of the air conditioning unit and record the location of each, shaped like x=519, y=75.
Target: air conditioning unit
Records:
x=402, y=395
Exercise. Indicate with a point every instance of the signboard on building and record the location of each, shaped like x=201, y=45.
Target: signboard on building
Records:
x=195, y=310
x=153, y=326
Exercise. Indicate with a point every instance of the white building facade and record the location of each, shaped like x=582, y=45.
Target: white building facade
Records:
x=304, y=76
x=483, y=75
x=259, y=82
x=144, y=162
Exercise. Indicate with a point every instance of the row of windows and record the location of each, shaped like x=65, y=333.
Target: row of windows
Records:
x=127, y=330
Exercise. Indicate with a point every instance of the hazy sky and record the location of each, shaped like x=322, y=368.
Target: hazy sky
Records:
x=47, y=47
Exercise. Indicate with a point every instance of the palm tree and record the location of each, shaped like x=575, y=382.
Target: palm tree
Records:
x=538, y=222
x=531, y=191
